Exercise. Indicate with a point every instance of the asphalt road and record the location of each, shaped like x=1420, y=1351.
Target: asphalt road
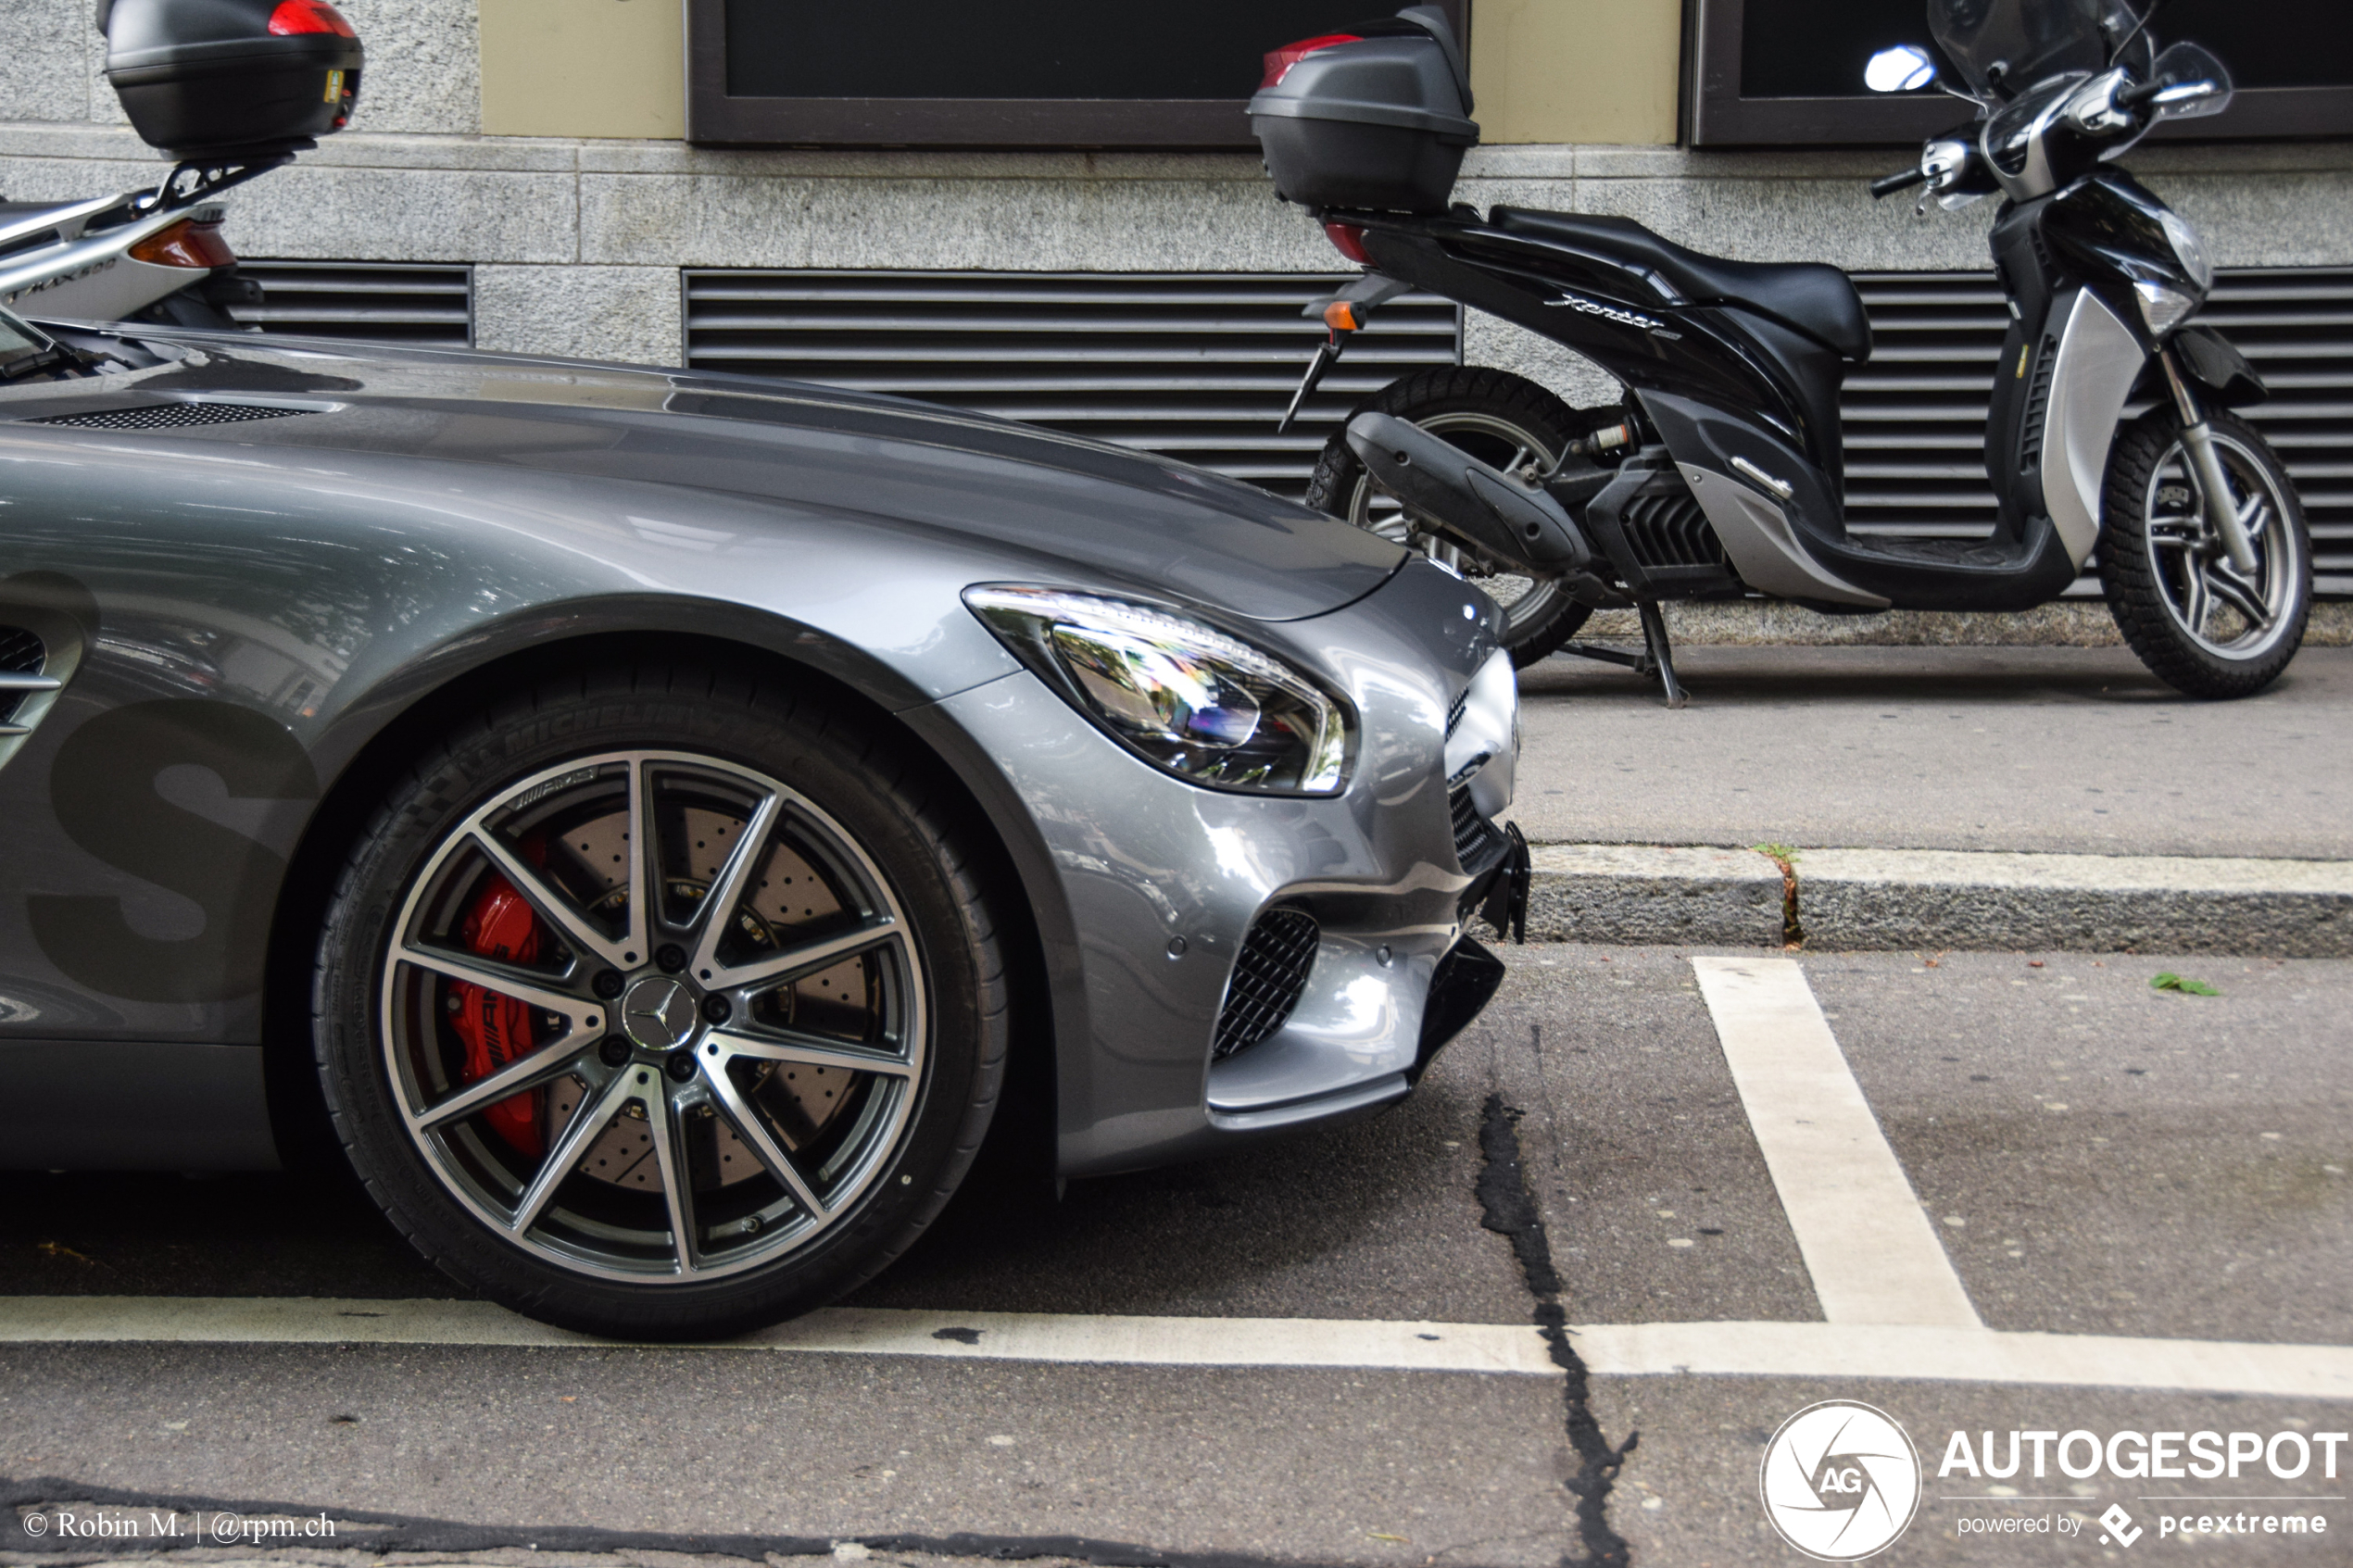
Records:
x=2072, y=750
x=2093, y=1157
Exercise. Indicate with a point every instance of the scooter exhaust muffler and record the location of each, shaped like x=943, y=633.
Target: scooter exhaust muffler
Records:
x=1485, y=507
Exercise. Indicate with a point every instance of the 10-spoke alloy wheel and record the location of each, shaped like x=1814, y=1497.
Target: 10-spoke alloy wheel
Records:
x=652, y=1039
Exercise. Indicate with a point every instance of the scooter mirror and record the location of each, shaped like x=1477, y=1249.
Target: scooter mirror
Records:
x=1904, y=69
x=2196, y=84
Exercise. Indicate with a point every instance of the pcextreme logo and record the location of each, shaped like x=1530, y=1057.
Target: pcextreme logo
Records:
x=1841, y=1480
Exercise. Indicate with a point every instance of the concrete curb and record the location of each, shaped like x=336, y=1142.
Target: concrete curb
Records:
x=1938, y=899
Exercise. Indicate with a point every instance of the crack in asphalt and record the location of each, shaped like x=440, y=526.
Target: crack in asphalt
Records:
x=1508, y=1208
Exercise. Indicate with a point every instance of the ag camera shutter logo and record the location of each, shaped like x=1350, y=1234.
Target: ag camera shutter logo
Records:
x=1841, y=1480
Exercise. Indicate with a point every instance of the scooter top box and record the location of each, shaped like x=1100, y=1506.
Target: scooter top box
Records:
x=213, y=77
x=1376, y=118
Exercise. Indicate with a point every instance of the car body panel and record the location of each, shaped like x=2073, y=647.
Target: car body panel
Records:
x=265, y=597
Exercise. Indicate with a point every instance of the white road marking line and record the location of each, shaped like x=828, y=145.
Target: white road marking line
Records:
x=1820, y=1351
x=1873, y=1256
x=1024, y=1336
x=1814, y=1350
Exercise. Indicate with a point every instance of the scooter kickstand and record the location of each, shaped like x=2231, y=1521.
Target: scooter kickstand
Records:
x=1661, y=658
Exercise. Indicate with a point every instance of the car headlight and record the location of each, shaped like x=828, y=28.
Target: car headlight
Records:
x=1185, y=696
x=2188, y=250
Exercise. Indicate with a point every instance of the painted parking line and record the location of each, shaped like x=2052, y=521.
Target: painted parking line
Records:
x=1872, y=1254
x=1754, y=1350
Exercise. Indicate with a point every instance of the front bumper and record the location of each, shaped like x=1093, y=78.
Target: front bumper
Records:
x=1162, y=881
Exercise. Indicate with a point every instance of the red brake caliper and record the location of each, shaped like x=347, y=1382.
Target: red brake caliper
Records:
x=499, y=1029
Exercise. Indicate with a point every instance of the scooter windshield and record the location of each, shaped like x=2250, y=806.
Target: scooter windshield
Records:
x=2002, y=45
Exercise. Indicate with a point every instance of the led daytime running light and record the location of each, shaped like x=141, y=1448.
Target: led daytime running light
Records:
x=1187, y=697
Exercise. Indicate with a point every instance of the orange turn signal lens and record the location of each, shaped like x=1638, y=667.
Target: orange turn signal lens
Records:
x=185, y=244
x=1341, y=317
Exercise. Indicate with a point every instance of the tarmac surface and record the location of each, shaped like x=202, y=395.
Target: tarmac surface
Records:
x=2092, y=1157
x=2054, y=749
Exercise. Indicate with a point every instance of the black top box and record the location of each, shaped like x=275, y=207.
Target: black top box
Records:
x=221, y=78
x=1376, y=118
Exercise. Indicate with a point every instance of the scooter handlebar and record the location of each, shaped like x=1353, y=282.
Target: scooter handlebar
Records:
x=1894, y=182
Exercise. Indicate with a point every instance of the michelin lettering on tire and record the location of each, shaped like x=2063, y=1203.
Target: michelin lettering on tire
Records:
x=1840, y=1481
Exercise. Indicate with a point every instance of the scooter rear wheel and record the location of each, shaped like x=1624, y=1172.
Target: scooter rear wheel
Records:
x=1503, y=419
x=2201, y=627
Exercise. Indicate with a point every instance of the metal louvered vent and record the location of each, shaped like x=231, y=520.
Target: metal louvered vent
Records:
x=22, y=656
x=1197, y=366
x=170, y=416
x=1471, y=832
x=1270, y=973
x=387, y=302
x=1915, y=415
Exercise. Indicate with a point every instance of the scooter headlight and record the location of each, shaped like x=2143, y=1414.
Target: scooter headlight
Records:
x=2162, y=307
x=2188, y=250
x=1185, y=696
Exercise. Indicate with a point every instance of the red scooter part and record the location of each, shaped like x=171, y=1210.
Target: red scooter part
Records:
x=497, y=1029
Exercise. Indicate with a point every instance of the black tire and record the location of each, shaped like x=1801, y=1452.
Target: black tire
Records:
x=1473, y=409
x=910, y=1019
x=2160, y=560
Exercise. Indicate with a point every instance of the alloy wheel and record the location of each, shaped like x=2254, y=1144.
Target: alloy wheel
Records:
x=653, y=1016
x=2229, y=615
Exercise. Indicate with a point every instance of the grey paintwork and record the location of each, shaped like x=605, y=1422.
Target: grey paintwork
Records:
x=271, y=595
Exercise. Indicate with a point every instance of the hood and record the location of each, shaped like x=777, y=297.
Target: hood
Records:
x=1110, y=511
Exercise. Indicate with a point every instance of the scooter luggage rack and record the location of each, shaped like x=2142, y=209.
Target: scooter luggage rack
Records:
x=215, y=174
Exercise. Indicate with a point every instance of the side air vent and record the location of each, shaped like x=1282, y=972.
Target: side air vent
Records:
x=170, y=416
x=2038, y=406
x=1197, y=366
x=22, y=659
x=1915, y=415
x=1269, y=974
x=1665, y=530
x=429, y=305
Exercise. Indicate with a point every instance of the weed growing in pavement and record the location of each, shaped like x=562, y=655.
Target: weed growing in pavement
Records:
x=1783, y=856
x=2169, y=981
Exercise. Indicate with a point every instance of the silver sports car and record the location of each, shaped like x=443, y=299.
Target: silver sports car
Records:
x=649, y=824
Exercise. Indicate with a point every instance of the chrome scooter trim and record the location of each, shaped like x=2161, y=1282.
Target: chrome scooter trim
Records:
x=2098, y=361
x=1756, y=533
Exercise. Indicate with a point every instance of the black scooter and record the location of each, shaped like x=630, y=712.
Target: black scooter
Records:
x=1722, y=473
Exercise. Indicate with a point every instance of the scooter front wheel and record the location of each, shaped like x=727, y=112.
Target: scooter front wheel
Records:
x=1504, y=420
x=2201, y=625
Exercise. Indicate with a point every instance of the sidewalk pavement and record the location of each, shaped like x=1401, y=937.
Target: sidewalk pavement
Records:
x=1940, y=797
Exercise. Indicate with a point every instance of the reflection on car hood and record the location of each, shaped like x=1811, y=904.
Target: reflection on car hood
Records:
x=1150, y=520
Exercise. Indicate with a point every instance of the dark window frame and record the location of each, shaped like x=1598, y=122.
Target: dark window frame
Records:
x=715, y=119
x=1719, y=117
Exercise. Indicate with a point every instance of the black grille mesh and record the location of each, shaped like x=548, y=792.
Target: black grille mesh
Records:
x=1470, y=829
x=170, y=415
x=1269, y=976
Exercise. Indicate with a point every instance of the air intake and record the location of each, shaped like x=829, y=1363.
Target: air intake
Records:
x=1915, y=416
x=1197, y=366
x=1269, y=974
x=22, y=659
x=170, y=416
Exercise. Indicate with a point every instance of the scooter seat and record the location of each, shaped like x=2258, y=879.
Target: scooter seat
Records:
x=1816, y=299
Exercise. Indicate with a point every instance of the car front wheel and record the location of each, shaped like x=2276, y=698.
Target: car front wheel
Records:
x=657, y=1009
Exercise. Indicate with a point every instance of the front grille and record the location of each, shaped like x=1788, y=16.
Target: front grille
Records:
x=22, y=653
x=1270, y=973
x=1471, y=832
x=1197, y=366
x=1915, y=415
x=388, y=302
x=1454, y=711
x=170, y=416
